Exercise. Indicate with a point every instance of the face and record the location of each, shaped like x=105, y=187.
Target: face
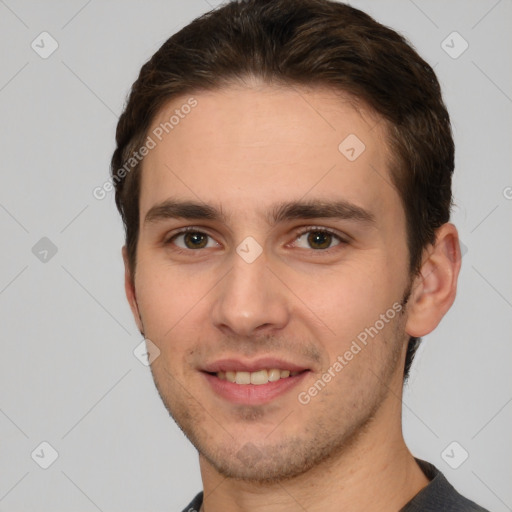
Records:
x=272, y=253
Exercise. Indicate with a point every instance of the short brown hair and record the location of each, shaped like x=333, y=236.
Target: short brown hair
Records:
x=304, y=43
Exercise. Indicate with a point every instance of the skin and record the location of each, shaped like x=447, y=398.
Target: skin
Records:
x=243, y=150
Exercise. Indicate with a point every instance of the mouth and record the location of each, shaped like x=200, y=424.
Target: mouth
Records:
x=255, y=382
x=258, y=378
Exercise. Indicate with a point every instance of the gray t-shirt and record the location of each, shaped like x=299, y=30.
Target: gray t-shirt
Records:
x=437, y=496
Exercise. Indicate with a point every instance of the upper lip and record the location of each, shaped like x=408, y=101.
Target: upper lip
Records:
x=239, y=365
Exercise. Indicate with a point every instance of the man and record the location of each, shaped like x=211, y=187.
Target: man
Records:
x=283, y=170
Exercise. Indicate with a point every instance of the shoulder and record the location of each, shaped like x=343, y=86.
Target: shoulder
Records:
x=439, y=494
x=195, y=504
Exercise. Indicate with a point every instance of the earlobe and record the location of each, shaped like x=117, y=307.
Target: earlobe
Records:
x=129, y=287
x=434, y=289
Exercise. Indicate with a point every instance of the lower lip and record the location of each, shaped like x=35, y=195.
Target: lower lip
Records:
x=253, y=394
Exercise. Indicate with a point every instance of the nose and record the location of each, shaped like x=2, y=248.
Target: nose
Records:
x=250, y=300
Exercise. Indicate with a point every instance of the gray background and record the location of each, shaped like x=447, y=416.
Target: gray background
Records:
x=68, y=375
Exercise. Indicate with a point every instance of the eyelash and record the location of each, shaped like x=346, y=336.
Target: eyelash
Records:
x=297, y=234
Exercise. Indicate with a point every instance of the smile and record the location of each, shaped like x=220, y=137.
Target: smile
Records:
x=258, y=377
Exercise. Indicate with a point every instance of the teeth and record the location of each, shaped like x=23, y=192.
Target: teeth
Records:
x=260, y=377
x=243, y=378
x=274, y=375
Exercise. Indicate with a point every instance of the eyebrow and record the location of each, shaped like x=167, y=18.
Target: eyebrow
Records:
x=294, y=210
x=339, y=209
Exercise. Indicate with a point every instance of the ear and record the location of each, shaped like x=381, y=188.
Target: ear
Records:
x=129, y=288
x=434, y=289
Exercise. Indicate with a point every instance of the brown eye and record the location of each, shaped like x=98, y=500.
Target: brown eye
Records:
x=195, y=240
x=317, y=239
x=192, y=240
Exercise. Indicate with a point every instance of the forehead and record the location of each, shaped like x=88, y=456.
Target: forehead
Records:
x=243, y=147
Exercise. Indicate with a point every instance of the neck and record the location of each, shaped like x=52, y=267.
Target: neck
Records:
x=376, y=472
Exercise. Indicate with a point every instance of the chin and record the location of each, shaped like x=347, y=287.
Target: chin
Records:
x=270, y=464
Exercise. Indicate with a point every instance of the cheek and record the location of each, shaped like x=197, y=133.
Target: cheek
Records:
x=167, y=297
x=349, y=298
